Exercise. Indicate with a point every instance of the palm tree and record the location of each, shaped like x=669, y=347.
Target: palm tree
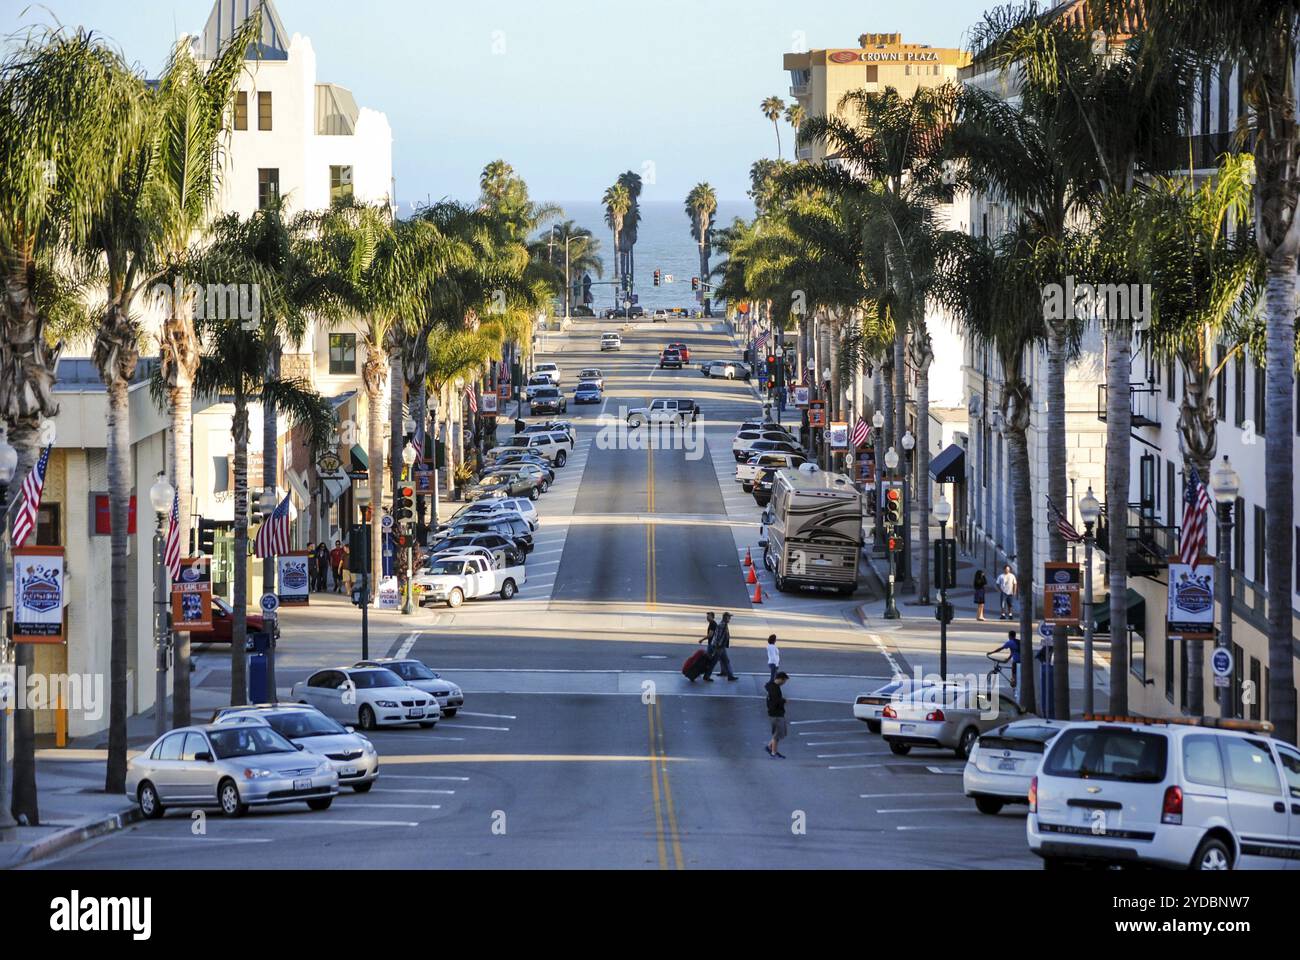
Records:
x=631, y=224
x=772, y=107
x=617, y=201
x=1263, y=36
x=64, y=100
x=795, y=116
x=701, y=205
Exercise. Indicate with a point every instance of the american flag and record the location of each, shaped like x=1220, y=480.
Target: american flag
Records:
x=172, y=548
x=1197, y=502
x=1063, y=525
x=472, y=396
x=273, y=535
x=860, y=432
x=760, y=341
x=33, y=486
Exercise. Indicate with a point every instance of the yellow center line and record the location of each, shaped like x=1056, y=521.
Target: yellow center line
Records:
x=651, y=586
x=668, y=791
x=654, y=788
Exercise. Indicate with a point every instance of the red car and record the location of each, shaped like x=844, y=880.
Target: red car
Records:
x=223, y=621
x=683, y=349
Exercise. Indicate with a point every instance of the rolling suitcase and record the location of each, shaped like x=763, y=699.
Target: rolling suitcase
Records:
x=695, y=665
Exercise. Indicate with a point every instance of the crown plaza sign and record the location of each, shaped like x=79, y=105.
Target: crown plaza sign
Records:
x=884, y=56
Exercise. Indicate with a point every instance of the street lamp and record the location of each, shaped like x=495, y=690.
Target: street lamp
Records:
x=942, y=511
x=909, y=444
x=408, y=458
x=1226, y=484
x=1090, y=512
x=891, y=605
x=878, y=424
x=8, y=466
x=362, y=496
x=161, y=496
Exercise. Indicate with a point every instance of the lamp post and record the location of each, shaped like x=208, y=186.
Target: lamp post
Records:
x=266, y=506
x=408, y=458
x=362, y=497
x=161, y=496
x=878, y=423
x=1090, y=512
x=8, y=465
x=568, y=290
x=1226, y=483
x=942, y=511
x=891, y=605
x=909, y=444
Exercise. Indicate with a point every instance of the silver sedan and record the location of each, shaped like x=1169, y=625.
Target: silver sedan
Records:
x=231, y=767
x=354, y=757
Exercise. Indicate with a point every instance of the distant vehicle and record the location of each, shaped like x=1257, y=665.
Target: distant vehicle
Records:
x=1004, y=760
x=517, y=505
x=726, y=369
x=353, y=756
x=683, y=349
x=369, y=698
x=538, y=381
x=523, y=456
x=611, y=341
x=636, y=313
x=453, y=580
x=415, y=672
x=500, y=483
x=592, y=374
x=868, y=706
x=750, y=441
x=556, y=447
x=547, y=400
x=548, y=370
x=947, y=718
x=588, y=391
x=582, y=310
x=816, y=531
x=672, y=411
x=513, y=526
x=670, y=358
x=660, y=316
x=761, y=488
x=504, y=550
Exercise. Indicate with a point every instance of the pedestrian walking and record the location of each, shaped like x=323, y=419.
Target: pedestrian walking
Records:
x=311, y=567
x=322, y=567
x=776, y=714
x=721, y=642
x=773, y=656
x=980, y=583
x=1007, y=587
x=336, y=561
x=710, y=650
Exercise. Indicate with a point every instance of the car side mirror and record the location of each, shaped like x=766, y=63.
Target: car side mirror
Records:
x=299, y=746
x=203, y=756
x=350, y=729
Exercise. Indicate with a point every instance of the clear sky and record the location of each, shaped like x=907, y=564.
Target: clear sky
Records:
x=571, y=92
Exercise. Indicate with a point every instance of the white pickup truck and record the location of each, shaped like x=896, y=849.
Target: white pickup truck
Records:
x=748, y=471
x=454, y=579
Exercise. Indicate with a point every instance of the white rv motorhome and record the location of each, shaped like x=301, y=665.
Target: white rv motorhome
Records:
x=815, y=535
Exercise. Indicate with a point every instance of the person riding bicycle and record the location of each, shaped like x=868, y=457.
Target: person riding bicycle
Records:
x=1013, y=645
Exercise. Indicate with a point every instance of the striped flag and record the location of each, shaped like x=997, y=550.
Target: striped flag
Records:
x=861, y=432
x=273, y=535
x=760, y=341
x=472, y=395
x=172, y=548
x=33, y=486
x=1063, y=525
x=1192, y=541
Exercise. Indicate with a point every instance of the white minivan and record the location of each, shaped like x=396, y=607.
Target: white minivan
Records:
x=1186, y=793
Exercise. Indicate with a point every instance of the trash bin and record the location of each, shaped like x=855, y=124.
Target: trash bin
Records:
x=258, y=646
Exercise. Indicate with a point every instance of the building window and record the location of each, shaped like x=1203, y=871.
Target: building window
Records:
x=1239, y=389
x=1259, y=400
x=343, y=353
x=1221, y=385
x=1239, y=537
x=1261, y=538
x=340, y=183
x=1171, y=377
x=1171, y=498
x=268, y=186
x=220, y=474
x=264, y=110
x=241, y=110
x=49, y=533
x=1295, y=564
x=1254, y=689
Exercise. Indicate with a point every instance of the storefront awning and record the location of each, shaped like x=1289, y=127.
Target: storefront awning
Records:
x=949, y=465
x=360, y=462
x=1137, y=613
x=336, y=487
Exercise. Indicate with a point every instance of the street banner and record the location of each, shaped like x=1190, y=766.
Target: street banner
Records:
x=503, y=390
x=192, y=596
x=291, y=581
x=800, y=396
x=817, y=414
x=866, y=467
x=423, y=478
x=1061, y=594
x=488, y=405
x=38, y=594
x=839, y=436
x=1190, y=612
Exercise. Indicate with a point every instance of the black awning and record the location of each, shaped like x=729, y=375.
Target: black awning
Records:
x=949, y=466
x=1133, y=602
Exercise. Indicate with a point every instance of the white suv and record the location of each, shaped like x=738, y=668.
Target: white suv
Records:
x=555, y=447
x=1189, y=794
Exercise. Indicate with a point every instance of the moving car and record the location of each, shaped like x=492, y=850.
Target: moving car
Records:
x=682, y=349
x=660, y=316
x=867, y=707
x=453, y=580
x=546, y=400
x=369, y=698
x=951, y=717
x=550, y=370
x=727, y=369
x=231, y=766
x=417, y=674
x=636, y=313
x=748, y=471
x=1004, y=761
x=588, y=391
x=611, y=341
x=670, y=358
x=537, y=381
x=592, y=373
x=555, y=446
x=664, y=410
x=354, y=757
x=1193, y=793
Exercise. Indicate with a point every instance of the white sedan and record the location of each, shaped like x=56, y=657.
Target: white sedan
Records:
x=1004, y=761
x=370, y=698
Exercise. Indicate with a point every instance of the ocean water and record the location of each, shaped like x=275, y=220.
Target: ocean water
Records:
x=663, y=243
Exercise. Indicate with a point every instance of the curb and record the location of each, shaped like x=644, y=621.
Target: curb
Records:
x=71, y=836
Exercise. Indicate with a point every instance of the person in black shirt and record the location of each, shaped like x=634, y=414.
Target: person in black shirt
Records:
x=776, y=713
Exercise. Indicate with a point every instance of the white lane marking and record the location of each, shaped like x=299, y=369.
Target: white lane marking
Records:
x=865, y=753
x=438, y=736
x=320, y=821
x=950, y=772
x=795, y=723
x=493, y=716
x=832, y=743
x=823, y=733
x=410, y=790
x=206, y=839
x=886, y=796
x=405, y=649
x=893, y=664
x=857, y=766
x=926, y=810
x=416, y=776
x=405, y=806
x=469, y=726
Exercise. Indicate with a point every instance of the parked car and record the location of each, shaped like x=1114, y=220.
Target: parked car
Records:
x=748, y=471
x=588, y=391
x=449, y=696
x=1189, y=794
x=504, y=550
x=951, y=717
x=516, y=528
x=223, y=619
x=762, y=486
x=582, y=310
x=726, y=369
x=506, y=506
x=229, y=766
x=766, y=441
x=547, y=400
x=453, y=580
x=369, y=698
x=610, y=341
x=636, y=313
x=1004, y=761
x=867, y=707
x=537, y=460
x=555, y=447
x=497, y=483
x=550, y=370
x=354, y=757
x=660, y=316
x=670, y=358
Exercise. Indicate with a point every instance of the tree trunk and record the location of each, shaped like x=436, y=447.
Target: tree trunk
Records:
x=925, y=358
x=24, y=803
x=1056, y=490
x=886, y=387
x=1119, y=417
x=1021, y=486
x=239, y=432
x=900, y=428
x=373, y=375
x=1197, y=434
x=270, y=455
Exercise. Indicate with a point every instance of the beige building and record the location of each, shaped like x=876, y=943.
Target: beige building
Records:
x=819, y=79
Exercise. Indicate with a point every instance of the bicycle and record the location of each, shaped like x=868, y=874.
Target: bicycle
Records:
x=996, y=673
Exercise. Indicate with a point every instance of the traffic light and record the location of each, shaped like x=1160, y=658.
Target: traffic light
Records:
x=695, y=283
x=207, y=537
x=254, y=502
x=404, y=503
x=893, y=544
x=657, y=278
x=893, y=507
x=359, y=548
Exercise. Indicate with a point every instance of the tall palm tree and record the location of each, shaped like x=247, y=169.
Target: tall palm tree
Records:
x=1263, y=36
x=795, y=116
x=63, y=96
x=617, y=201
x=631, y=223
x=772, y=108
x=701, y=205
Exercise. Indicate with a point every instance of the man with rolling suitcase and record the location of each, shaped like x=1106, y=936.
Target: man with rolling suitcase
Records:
x=699, y=662
x=721, y=640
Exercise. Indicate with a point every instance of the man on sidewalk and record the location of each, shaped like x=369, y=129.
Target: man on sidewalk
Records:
x=1007, y=587
x=776, y=714
x=721, y=641
x=336, y=561
x=710, y=650
x=773, y=656
x=322, y=567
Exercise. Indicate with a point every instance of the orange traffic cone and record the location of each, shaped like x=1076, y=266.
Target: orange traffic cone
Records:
x=758, y=593
x=749, y=560
x=751, y=578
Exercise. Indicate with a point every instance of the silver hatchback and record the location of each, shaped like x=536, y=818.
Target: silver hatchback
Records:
x=228, y=766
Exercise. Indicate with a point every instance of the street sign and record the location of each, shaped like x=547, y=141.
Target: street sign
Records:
x=329, y=464
x=270, y=604
x=1221, y=663
x=387, y=522
x=1045, y=629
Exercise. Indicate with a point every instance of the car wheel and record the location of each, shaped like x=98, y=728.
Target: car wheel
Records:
x=535, y=493
x=780, y=583
x=873, y=726
x=456, y=597
x=988, y=805
x=228, y=798
x=1212, y=854
x=366, y=717
x=363, y=787
x=320, y=803
x=561, y=458
x=900, y=749
x=150, y=806
x=546, y=485
x=508, y=589
x=428, y=724
x=967, y=741
x=450, y=713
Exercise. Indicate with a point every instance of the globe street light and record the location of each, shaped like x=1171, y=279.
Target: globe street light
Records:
x=878, y=423
x=408, y=458
x=8, y=466
x=1090, y=511
x=909, y=444
x=161, y=496
x=1226, y=484
x=942, y=511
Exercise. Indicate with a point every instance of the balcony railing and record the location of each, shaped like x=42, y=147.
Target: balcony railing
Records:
x=799, y=90
x=1207, y=148
x=1144, y=404
x=1149, y=543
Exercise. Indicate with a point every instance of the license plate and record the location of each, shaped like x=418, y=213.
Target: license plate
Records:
x=1008, y=764
x=907, y=728
x=302, y=784
x=348, y=772
x=415, y=712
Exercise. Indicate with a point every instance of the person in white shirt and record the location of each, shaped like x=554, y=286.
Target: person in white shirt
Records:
x=773, y=656
x=1007, y=586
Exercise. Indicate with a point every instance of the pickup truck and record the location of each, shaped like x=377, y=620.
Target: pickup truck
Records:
x=556, y=447
x=748, y=472
x=453, y=580
x=664, y=411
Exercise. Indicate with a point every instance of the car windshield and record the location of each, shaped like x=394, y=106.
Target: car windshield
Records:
x=371, y=679
x=413, y=670
x=248, y=742
x=298, y=724
x=442, y=568
x=1109, y=753
x=547, y=392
